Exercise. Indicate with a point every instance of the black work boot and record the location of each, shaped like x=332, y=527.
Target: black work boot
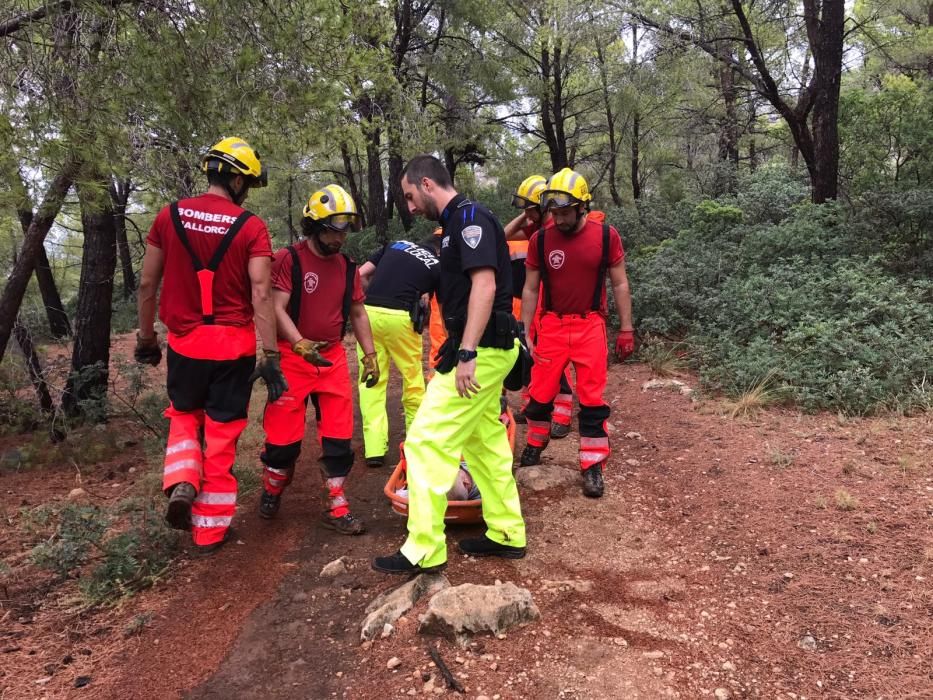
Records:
x=398, y=564
x=485, y=547
x=593, y=484
x=531, y=456
x=376, y=462
x=559, y=430
x=269, y=505
x=178, y=513
x=346, y=524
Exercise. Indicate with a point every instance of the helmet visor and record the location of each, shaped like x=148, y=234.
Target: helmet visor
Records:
x=341, y=222
x=522, y=203
x=556, y=199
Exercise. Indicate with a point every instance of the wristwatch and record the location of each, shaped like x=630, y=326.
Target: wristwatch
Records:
x=465, y=355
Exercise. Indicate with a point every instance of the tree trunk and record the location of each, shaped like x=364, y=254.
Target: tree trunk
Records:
x=376, y=187
x=292, y=232
x=86, y=388
x=610, y=124
x=826, y=41
x=120, y=194
x=59, y=325
x=353, y=184
x=395, y=190
x=25, y=263
x=636, y=174
x=728, y=126
x=24, y=339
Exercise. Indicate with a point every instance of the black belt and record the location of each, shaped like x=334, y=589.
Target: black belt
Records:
x=500, y=332
x=387, y=303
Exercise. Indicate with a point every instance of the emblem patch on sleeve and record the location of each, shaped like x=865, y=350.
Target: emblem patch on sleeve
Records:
x=472, y=235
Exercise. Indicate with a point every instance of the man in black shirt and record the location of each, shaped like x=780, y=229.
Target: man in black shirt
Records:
x=395, y=278
x=459, y=415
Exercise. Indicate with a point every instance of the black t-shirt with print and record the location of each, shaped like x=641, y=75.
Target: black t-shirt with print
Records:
x=404, y=271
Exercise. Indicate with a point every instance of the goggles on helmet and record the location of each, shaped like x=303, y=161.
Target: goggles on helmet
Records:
x=557, y=199
x=340, y=222
x=522, y=203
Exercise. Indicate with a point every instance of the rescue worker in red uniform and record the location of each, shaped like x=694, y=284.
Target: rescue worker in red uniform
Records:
x=316, y=295
x=527, y=198
x=216, y=260
x=568, y=260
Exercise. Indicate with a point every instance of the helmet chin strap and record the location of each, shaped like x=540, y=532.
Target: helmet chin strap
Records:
x=237, y=197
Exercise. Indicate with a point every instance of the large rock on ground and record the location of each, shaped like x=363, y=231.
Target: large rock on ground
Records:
x=545, y=476
x=391, y=605
x=468, y=609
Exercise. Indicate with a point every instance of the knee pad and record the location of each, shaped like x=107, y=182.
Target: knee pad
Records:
x=591, y=420
x=539, y=411
x=280, y=456
x=336, y=456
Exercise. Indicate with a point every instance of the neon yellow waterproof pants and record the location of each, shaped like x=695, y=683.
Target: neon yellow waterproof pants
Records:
x=393, y=337
x=446, y=427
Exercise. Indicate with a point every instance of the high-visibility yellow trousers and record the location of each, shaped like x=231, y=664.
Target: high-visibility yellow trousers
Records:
x=393, y=337
x=446, y=427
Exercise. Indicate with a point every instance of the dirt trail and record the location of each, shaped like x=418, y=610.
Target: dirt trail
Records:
x=786, y=556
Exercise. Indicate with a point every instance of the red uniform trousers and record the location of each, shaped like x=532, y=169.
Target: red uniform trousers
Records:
x=209, y=389
x=561, y=340
x=563, y=402
x=330, y=391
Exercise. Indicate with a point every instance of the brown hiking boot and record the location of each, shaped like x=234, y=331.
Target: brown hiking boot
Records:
x=345, y=524
x=178, y=513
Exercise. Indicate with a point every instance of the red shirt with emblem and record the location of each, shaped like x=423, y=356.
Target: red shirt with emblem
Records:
x=206, y=220
x=324, y=279
x=573, y=265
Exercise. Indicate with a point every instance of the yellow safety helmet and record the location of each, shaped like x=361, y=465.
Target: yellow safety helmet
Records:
x=565, y=188
x=529, y=192
x=333, y=207
x=234, y=155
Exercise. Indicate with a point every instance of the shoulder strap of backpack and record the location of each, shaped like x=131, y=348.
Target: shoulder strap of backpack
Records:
x=603, y=267
x=348, y=291
x=542, y=267
x=294, y=300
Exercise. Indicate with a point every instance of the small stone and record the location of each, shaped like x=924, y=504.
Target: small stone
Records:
x=632, y=462
x=334, y=568
x=393, y=663
x=807, y=643
x=493, y=666
x=721, y=694
x=82, y=681
x=620, y=642
x=728, y=666
x=387, y=631
x=482, y=697
x=633, y=436
x=653, y=654
x=412, y=691
x=75, y=494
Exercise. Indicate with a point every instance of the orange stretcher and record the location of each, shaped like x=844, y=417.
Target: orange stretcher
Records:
x=458, y=512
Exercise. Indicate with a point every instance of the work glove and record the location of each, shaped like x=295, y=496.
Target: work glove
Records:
x=446, y=357
x=625, y=344
x=147, y=350
x=370, y=373
x=310, y=351
x=270, y=370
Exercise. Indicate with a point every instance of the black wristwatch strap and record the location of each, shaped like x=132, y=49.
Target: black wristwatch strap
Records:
x=466, y=355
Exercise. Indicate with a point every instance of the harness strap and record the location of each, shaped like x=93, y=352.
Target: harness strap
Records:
x=542, y=265
x=294, y=301
x=603, y=266
x=206, y=274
